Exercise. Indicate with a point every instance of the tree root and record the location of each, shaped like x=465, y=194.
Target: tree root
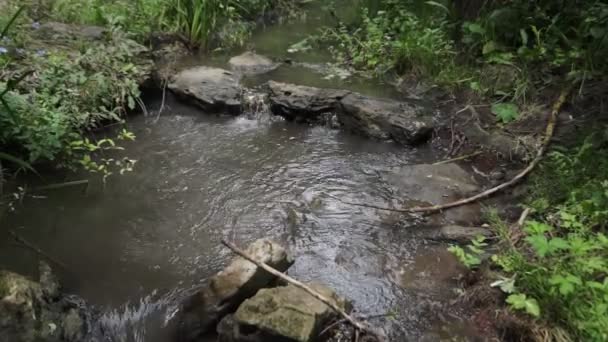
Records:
x=549, y=131
x=359, y=326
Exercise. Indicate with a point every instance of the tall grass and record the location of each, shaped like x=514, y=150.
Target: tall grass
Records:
x=196, y=19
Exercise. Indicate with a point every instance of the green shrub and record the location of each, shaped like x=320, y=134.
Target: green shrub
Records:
x=45, y=115
x=197, y=20
x=393, y=37
x=561, y=267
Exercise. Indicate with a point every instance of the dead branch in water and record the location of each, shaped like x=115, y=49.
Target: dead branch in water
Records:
x=550, y=129
x=37, y=250
x=466, y=156
x=359, y=326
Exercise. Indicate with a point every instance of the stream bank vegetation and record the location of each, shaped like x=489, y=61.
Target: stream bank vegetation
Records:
x=552, y=267
x=60, y=83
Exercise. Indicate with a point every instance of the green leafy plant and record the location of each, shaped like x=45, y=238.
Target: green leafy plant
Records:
x=470, y=256
x=505, y=112
x=562, y=263
x=520, y=301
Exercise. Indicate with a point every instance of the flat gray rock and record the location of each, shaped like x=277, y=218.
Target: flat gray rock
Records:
x=212, y=89
x=455, y=233
x=404, y=122
x=425, y=184
x=302, y=103
x=250, y=63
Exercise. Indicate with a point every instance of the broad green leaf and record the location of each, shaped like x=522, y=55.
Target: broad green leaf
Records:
x=505, y=112
x=489, y=47
x=521, y=302
x=540, y=244
x=506, y=285
x=475, y=28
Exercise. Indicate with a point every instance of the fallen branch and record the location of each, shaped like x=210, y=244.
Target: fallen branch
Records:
x=38, y=251
x=466, y=156
x=359, y=326
x=62, y=185
x=539, y=155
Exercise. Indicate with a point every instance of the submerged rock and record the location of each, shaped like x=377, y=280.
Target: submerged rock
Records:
x=455, y=233
x=250, y=63
x=281, y=314
x=32, y=312
x=302, y=103
x=212, y=89
x=436, y=184
x=383, y=119
x=229, y=288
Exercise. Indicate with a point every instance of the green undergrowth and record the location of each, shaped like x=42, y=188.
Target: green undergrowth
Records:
x=53, y=95
x=205, y=24
x=504, y=51
x=555, y=269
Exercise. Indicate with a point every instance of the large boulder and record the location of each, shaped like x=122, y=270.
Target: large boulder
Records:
x=212, y=89
x=226, y=290
x=302, y=103
x=404, y=122
x=250, y=63
x=35, y=311
x=281, y=314
x=425, y=184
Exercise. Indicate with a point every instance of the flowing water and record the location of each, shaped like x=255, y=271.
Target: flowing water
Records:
x=134, y=245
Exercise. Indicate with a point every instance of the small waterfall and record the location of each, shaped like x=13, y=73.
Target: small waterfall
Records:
x=256, y=105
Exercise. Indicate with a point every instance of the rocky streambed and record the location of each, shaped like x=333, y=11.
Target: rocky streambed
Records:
x=250, y=148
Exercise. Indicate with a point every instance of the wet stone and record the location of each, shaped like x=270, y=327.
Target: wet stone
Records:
x=302, y=103
x=226, y=290
x=250, y=63
x=212, y=89
x=425, y=184
x=403, y=122
x=281, y=314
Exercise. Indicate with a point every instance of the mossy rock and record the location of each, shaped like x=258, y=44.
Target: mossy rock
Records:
x=288, y=313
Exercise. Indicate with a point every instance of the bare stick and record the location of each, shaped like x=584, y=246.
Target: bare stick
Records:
x=162, y=104
x=466, y=156
x=62, y=185
x=38, y=251
x=522, y=218
x=539, y=155
x=359, y=326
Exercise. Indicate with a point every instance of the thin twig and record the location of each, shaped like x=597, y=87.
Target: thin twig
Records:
x=539, y=155
x=522, y=218
x=329, y=327
x=359, y=326
x=62, y=185
x=466, y=156
x=142, y=105
x=162, y=104
x=38, y=251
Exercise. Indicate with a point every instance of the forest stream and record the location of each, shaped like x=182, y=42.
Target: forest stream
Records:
x=135, y=245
